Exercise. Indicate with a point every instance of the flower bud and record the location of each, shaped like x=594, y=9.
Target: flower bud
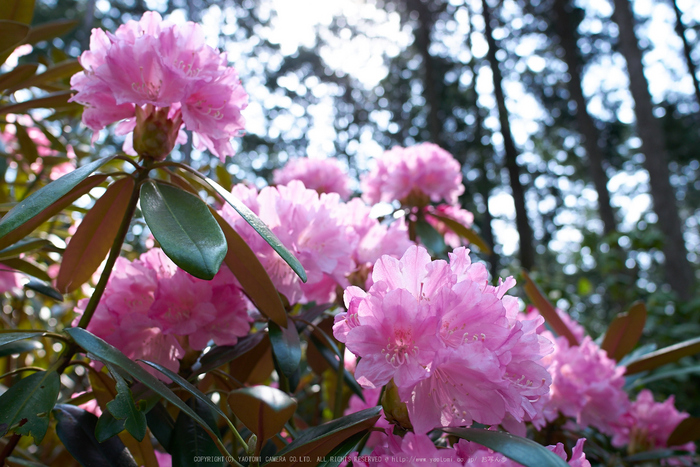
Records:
x=156, y=133
x=252, y=445
x=395, y=411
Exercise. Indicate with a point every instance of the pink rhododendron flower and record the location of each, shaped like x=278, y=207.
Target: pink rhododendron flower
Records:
x=355, y=404
x=322, y=175
x=471, y=453
x=648, y=424
x=10, y=280
x=426, y=172
x=460, y=215
x=165, y=75
x=445, y=337
x=415, y=450
x=310, y=226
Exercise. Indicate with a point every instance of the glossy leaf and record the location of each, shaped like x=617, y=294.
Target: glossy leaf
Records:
x=547, y=310
x=245, y=265
x=108, y=426
x=124, y=408
x=30, y=399
x=46, y=196
x=624, y=332
x=43, y=288
x=161, y=424
x=26, y=266
x=52, y=101
x=13, y=34
x=189, y=441
x=222, y=354
x=16, y=76
x=46, y=31
x=17, y=10
x=318, y=441
x=75, y=428
x=54, y=208
x=94, y=237
x=286, y=347
x=337, y=456
x=7, y=337
x=522, y=450
x=185, y=229
x=664, y=356
x=109, y=354
x=463, y=231
x=430, y=237
x=16, y=348
x=23, y=247
x=259, y=227
x=263, y=409
x=687, y=430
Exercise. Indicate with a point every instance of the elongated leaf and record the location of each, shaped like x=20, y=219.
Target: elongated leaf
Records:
x=109, y=354
x=624, y=332
x=46, y=196
x=43, y=288
x=264, y=410
x=17, y=10
x=320, y=440
x=245, y=265
x=62, y=70
x=522, y=450
x=52, y=101
x=31, y=399
x=27, y=145
x=17, y=462
x=463, y=231
x=27, y=227
x=222, y=354
x=75, y=429
x=338, y=455
x=46, y=31
x=286, y=347
x=13, y=34
x=7, y=337
x=16, y=76
x=27, y=267
x=23, y=247
x=663, y=374
x=547, y=310
x=185, y=229
x=15, y=348
x=430, y=237
x=108, y=426
x=161, y=424
x=259, y=227
x=94, y=237
x=124, y=408
x=687, y=430
x=330, y=357
x=664, y=356
x=190, y=442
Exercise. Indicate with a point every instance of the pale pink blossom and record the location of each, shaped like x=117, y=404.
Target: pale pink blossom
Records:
x=166, y=70
x=10, y=281
x=414, y=450
x=456, y=213
x=310, y=226
x=322, y=175
x=415, y=176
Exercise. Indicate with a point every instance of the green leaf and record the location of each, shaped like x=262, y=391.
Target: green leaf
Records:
x=245, y=265
x=663, y=374
x=222, y=354
x=75, y=429
x=260, y=228
x=108, y=426
x=23, y=247
x=463, y=231
x=430, y=237
x=46, y=31
x=263, y=409
x=656, y=454
x=318, y=441
x=17, y=10
x=189, y=441
x=17, y=462
x=624, y=332
x=664, y=356
x=522, y=450
x=46, y=196
x=26, y=405
x=25, y=229
x=124, y=408
x=94, y=237
x=286, y=347
x=337, y=456
x=161, y=424
x=52, y=101
x=106, y=353
x=19, y=347
x=16, y=76
x=13, y=34
x=185, y=229
x=27, y=267
x=330, y=357
x=687, y=430
x=7, y=336
x=43, y=288
x=547, y=310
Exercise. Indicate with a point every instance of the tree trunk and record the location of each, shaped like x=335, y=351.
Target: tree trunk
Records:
x=687, y=49
x=527, y=252
x=567, y=35
x=679, y=273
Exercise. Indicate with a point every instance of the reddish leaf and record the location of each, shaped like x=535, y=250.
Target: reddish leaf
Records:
x=94, y=237
x=52, y=101
x=65, y=201
x=264, y=410
x=62, y=70
x=46, y=31
x=241, y=260
x=17, y=10
x=664, y=356
x=624, y=332
x=687, y=430
x=463, y=231
x=28, y=267
x=17, y=75
x=547, y=310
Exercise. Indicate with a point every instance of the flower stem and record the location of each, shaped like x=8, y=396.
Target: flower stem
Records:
x=338, y=406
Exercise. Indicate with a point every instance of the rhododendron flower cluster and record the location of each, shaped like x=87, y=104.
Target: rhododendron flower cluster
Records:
x=415, y=176
x=447, y=339
x=150, y=306
x=159, y=76
x=322, y=175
